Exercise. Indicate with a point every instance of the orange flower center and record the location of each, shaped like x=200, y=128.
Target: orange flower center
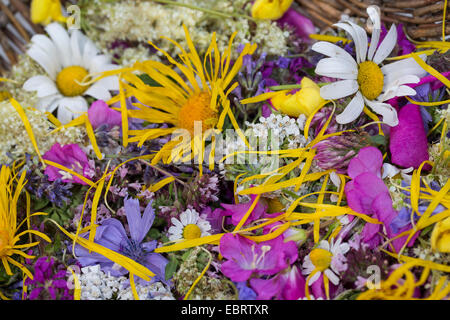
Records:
x=321, y=258
x=197, y=109
x=4, y=241
x=69, y=79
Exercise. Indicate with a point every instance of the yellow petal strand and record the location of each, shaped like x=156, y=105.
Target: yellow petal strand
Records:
x=189, y=243
x=247, y=214
x=430, y=70
x=133, y=287
x=53, y=119
x=76, y=280
x=61, y=167
x=91, y=136
x=322, y=37
x=279, y=231
x=129, y=264
x=28, y=128
x=161, y=184
x=21, y=267
x=263, y=97
x=427, y=104
x=95, y=201
x=123, y=107
x=186, y=297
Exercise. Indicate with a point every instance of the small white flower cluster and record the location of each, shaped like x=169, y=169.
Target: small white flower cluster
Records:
x=283, y=127
x=96, y=285
x=15, y=140
x=147, y=21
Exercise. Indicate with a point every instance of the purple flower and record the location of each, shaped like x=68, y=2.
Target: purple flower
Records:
x=70, y=156
x=101, y=115
x=245, y=257
x=245, y=293
x=366, y=193
x=288, y=285
x=408, y=142
x=49, y=281
x=112, y=235
x=303, y=26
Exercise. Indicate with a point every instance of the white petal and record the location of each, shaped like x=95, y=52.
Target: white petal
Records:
x=388, y=112
x=374, y=16
x=390, y=82
x=333, y=51
x=49, y=48
x=100, y=63
x=324, y=245
x=362, y=40
x=358, y=39
x=98, y=91
x=184, y=218
x=49, y=103
x=61, y=40
x=42, y=84
x=386, y=47
x=89, y=52
x=400, y=91
x=389, y=170
x=76, y=45
x=175, y=230
x=333, y=278
x=336, y=68
x=71, y=108
x=343, y=248
x=314, y=278
x=339, y=89
x=175, y=237
x=44, y=60
x=352, y=110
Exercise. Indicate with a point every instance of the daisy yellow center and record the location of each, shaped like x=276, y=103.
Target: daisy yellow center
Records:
x=192, y=231
x=69, y=79
x=370, y=79
x=197, y=108
x=4, y=240
x=321, y=258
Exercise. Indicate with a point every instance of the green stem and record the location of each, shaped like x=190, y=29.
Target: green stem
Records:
x=286, y=87
x=213, y=12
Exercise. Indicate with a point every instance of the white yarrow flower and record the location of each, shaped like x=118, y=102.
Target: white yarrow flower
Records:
x=68, y=59
x=370, y=82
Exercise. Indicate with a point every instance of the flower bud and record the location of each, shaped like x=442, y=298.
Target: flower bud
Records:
x=270, y=9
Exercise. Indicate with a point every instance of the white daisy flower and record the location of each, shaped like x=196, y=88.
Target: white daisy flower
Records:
x=369, y=81
x=68, y=59
x=190, y=226
x=327, y=259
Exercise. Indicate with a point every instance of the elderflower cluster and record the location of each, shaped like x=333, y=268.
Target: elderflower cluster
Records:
x=129, y=20
x=284, y=127
x=97, y=285
x=16, y=141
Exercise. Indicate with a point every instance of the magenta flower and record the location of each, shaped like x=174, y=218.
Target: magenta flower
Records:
x=101, y=114
x=408, y=142
x=288, y=285
x=238, y=211
x=70, y=156
x=303, y=26
x=245, y=257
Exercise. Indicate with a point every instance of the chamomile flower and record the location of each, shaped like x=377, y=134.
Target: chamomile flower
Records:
x=367, y=79
x=68, y=60
x=190, y=226
x=327, y=258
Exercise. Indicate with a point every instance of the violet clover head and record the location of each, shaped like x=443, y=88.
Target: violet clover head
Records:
x=112, y=235
x=245, y=257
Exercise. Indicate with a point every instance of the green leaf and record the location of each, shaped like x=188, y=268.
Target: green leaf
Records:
x=148, y=81
x=171, y=267
x=378, y=140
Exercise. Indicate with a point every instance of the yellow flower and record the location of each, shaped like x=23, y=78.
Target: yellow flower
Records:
x=270, y=9
x=46, y=11
x=304, y=101
x=440, y=238
x=9, y=238
x=198, y=95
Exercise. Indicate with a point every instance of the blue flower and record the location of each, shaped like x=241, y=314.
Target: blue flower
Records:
x=112, y=235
